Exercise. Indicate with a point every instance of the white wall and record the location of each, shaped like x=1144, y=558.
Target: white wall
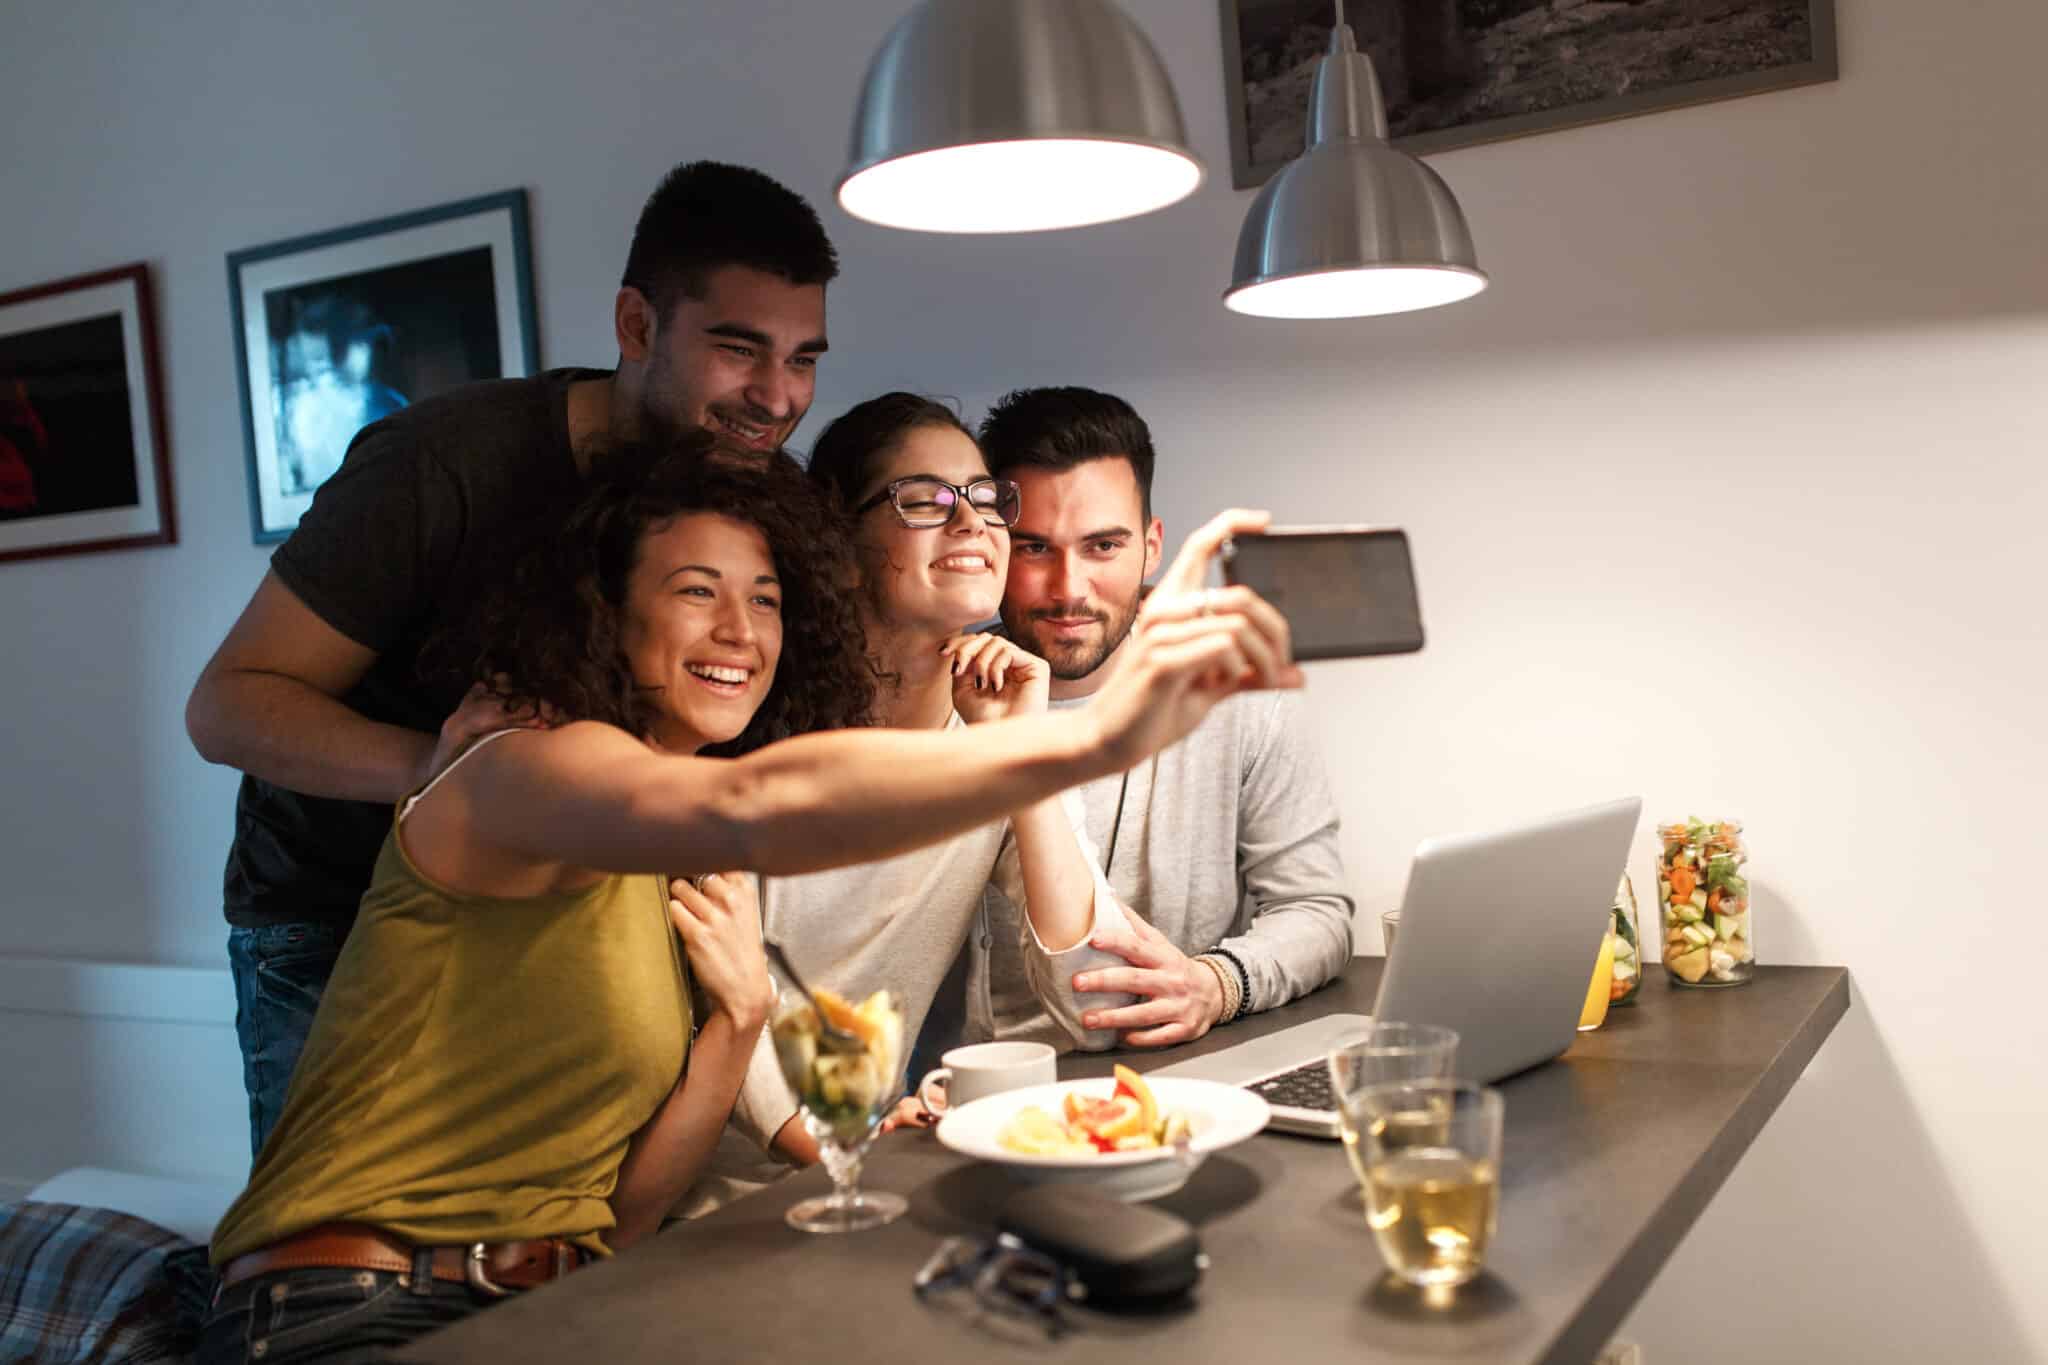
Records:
x=1728, y=492
x=123, y=1067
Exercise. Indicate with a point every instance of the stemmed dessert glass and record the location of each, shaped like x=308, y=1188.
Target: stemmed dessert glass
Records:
x=845, y=1080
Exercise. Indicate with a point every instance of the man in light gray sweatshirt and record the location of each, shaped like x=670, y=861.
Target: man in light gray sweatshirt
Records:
x=1226, y=844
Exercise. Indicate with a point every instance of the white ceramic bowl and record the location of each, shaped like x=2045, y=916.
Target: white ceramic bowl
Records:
x=1219, y=1115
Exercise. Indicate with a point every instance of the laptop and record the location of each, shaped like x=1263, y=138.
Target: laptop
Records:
x=1499, y=933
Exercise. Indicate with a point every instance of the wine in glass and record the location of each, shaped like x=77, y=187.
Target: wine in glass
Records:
x=1430, y=1158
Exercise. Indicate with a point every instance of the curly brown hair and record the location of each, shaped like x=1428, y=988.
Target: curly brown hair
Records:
x=549, y=635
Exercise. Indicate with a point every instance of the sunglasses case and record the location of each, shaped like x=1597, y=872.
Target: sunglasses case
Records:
x=1118, y=1252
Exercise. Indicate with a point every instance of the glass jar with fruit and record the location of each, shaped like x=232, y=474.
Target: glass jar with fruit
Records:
x=1628, y=958
x=1704, y=898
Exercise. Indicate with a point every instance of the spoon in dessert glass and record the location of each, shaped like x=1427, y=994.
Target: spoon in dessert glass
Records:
x=830, y=1036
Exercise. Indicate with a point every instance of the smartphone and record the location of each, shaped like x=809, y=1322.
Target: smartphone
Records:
x=1346, y=591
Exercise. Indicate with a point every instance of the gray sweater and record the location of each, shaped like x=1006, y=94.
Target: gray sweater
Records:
x=1228, y=838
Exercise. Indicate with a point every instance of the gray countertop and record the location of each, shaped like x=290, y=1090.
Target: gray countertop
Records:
x=1610, y=1155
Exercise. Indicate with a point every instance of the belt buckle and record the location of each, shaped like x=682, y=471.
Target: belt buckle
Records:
x=473, y=1274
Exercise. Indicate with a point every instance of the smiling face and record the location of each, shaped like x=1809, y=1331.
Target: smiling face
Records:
x=1083, y=548
x=703, y=624
x=942, y=578
x=740, y=362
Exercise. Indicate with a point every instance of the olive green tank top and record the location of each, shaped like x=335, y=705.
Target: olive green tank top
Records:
x=476, y=1066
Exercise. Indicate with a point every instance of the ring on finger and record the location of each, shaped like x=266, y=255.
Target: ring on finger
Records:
x=699, y=880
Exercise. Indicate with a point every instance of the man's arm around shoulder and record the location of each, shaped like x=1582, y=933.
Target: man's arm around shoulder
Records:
x=268, y=704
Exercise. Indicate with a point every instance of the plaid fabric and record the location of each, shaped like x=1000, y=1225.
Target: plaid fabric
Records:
x=80, y=1284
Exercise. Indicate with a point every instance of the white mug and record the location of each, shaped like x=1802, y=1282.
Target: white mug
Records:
x=982, y=1069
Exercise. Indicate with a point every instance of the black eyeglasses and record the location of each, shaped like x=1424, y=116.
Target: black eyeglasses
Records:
x=922, y=501
x=1004, y=1275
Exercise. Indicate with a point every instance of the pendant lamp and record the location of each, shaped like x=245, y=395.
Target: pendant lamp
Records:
x=1015, y=116
x=1351, y=227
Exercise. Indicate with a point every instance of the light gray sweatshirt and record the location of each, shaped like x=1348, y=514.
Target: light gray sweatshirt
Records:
x=1227, y=838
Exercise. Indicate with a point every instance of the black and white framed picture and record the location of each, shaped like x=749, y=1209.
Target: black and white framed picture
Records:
x=83, y=463
x=338, y=329
x=1457, y=72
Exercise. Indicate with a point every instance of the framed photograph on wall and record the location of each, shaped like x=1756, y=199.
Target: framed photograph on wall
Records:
x=83, y=463
x=336, y=330
x=1456, y=72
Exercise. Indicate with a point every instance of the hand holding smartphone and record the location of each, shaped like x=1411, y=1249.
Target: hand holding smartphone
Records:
x=1346, y=591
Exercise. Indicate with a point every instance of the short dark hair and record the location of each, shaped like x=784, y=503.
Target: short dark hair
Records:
x=844, y=458
x=706, y=214
x=550, y=634
x=1062, y=426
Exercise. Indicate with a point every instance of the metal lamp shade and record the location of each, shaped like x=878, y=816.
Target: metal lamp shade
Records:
x=1015, y=116
x=1351, y=228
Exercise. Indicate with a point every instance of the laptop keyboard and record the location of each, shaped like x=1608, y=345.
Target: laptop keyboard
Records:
x=1305, y=1087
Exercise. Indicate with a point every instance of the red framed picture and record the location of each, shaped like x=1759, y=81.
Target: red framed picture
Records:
x=83, y=460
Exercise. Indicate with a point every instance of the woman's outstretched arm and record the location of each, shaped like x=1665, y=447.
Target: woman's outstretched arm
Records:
x=592, y=796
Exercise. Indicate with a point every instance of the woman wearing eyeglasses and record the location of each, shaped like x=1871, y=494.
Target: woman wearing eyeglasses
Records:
x=931, y=535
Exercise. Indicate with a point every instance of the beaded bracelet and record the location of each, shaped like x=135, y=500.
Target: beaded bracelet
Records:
x=1226, y=983
x=1244, y=982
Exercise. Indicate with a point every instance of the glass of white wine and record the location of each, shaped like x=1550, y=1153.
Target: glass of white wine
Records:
x=1429, y=1157
x=1389, y=1051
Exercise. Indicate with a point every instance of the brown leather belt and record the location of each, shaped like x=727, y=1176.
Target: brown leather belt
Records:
x=489, y=1267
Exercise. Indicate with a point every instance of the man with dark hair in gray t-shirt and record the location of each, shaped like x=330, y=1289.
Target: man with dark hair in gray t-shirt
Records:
x=1226, y=844
x=317, y=695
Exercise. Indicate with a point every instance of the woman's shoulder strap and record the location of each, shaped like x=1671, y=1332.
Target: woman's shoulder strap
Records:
x=405, y=808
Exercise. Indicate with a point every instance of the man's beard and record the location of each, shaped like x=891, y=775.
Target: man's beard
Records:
x=1073, y=660
x=656, y=427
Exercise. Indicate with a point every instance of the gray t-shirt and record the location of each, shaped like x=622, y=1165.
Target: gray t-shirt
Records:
x=429, y=507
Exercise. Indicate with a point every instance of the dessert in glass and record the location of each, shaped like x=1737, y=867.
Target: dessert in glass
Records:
x=845, y=1081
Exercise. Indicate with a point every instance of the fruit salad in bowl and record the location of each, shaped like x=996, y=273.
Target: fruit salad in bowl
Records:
x=1131, y=1138
x=1129, y=1120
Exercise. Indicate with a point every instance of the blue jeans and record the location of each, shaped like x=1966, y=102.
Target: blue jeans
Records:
x=280, y=971
x=336, y=1316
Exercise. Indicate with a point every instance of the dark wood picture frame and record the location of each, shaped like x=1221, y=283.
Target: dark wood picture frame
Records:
x=432, y=299
x=1251, y=164
x=103, y=472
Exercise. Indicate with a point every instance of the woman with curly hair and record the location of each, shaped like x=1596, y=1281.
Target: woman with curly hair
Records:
x=506, y=1076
